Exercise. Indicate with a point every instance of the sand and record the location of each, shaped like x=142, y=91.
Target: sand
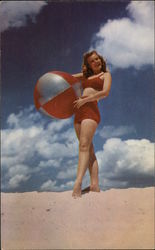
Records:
x=113, y=219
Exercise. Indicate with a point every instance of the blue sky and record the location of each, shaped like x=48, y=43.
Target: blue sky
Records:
x=41, y=154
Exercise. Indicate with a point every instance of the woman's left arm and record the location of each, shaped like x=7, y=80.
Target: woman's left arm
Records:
x=105, y=91
x=100, y=94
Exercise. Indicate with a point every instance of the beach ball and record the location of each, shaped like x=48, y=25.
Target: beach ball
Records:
x=55, y=93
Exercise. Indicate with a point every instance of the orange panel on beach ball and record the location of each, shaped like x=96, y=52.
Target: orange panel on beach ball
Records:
x=55, y=93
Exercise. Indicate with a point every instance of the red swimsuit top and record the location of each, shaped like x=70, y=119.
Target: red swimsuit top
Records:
x=95, y=83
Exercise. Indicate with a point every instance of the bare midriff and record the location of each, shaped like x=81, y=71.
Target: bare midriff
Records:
x=89, y=91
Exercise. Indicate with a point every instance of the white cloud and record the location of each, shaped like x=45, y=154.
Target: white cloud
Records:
x=111, y=131
x=18, y=169
x=16, y=174
x=15, y=181
x=142, y=12
x=50, y=163
x=57, y=126
x=122, y=164
x=126, y=42
x=70, y=172
x=36, y=143
x=46, y=147
x=25, y=118
x=67, y=185
x=20, y=141
x=55, y=150
x=48, y=186
x=127, y=162
x=15, y=13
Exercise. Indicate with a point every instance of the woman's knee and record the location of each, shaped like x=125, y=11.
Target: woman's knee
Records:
x=84, y=144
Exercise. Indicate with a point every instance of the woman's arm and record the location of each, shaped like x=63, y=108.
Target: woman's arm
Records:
x=79, y=76
x=105, y=91
x=100, y=94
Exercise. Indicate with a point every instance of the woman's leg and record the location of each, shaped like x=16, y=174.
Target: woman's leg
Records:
x=87, y=130
x=77, y=127
x=93, y=165
x=93, y=170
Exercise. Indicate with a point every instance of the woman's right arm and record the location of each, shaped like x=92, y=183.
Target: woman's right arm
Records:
x=79, y=76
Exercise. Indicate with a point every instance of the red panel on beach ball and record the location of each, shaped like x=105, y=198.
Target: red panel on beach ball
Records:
x=55, y=93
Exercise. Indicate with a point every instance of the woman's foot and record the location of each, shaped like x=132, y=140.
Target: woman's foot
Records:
x=94, y=188
x=77, y=190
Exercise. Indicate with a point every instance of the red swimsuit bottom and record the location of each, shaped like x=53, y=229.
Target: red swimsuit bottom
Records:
x=89, y=110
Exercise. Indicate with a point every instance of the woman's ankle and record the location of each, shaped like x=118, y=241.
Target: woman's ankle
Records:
x=94, y=182
x=94, y=185
x=77, y=189
x=78, y=182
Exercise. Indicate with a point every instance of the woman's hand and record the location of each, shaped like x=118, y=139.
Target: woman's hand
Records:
x=80, y=102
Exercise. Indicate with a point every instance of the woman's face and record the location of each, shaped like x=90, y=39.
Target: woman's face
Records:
x=95, y=63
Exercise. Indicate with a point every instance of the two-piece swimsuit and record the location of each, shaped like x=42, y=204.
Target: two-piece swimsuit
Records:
x=89, y=110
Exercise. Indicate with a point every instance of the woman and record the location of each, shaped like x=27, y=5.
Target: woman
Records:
x=96, y=83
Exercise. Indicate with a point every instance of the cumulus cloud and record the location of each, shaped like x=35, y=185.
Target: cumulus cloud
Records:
x=142, y=12
x=127, y=163
x=31, y=144
x=50, y=163
x=128, y=41
x=111, y=131
x=16, y=175
x=15, y=181
x=48, y=186
x=16, y=13
x=25, y=118
x=68, y=173
x=45, y=153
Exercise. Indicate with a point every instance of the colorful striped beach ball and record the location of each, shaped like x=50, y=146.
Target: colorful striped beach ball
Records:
x=55, y=93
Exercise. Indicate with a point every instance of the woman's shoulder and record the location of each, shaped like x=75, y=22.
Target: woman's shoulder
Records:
x=105, y=75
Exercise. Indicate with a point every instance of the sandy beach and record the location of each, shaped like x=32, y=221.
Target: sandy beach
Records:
x=113, y=219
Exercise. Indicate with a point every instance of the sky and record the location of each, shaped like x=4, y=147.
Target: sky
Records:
x=41, y=154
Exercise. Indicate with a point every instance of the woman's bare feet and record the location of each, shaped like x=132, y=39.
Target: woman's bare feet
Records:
x=76, y=190
x=94, y=188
